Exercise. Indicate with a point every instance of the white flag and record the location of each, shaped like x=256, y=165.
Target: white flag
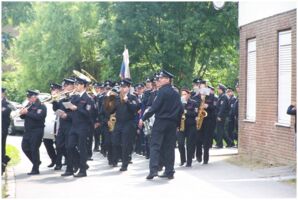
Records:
x=126, y=63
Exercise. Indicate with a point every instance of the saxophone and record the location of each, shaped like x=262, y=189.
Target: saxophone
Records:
x=201, y=113
x=112, y=122
x=182, y=122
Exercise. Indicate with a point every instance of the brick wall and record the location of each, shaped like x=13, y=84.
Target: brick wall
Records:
x=262, y=139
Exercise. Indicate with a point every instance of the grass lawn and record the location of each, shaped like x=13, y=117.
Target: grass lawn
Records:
x=14, y=154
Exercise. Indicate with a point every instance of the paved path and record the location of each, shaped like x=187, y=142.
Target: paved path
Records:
x=218, y=179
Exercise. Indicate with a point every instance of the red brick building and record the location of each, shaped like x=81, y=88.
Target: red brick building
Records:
x=267, y=81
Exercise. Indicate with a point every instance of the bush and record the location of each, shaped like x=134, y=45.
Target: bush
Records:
x=14, y=155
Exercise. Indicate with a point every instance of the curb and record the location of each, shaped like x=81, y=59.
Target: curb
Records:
x=11, y=183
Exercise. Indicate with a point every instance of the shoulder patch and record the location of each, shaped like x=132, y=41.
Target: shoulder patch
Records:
x=39, y=111
x=3, y=109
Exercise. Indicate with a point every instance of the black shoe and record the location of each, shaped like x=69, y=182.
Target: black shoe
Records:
x=169, y=176
x=51, y=165
x=90, y=159
x=122, y=169
x=110, y=163
x=147, y=157
x=151, y=176
x=80, y=174
x=188, y=165
x=199, y=159
x=115, y=165
x=160, y=168
x=64, y=163
x=87, y=166
x=218, y=147
x=205, y=162
x=182, y=163
x=35, y=172
x=6, y=159
x=67, y=174
x=96, y=150
x=75, y=169
x=58, y=167
x=130, y=162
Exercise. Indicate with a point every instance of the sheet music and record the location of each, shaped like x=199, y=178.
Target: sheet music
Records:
x=59, y=112
x=67, y=104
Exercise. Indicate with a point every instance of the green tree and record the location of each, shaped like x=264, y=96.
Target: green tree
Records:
x=190, y=39
x=186, y=38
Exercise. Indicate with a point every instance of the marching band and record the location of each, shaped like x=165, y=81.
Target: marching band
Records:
x=148, y=119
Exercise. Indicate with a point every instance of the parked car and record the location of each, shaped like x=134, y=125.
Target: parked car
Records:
x=17, y=124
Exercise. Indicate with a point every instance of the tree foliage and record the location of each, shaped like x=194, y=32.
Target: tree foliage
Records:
x=190, y=39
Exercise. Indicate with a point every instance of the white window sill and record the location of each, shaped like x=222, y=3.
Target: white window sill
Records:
x=249, y=120
x=283, y=125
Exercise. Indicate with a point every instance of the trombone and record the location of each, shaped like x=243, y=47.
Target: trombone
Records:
x=59, y=96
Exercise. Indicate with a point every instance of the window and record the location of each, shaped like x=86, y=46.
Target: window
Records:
x=251, y=80
x=284, y=76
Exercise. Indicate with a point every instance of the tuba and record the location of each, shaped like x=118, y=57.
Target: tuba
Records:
x=109, y=104
x=201, y=113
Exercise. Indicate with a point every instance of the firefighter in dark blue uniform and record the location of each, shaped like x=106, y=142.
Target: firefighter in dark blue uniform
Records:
x=140, y=137
x=222, y=111
x=207, y=129
x=231, y=116
x=34, y=115
x=168, y=110
x=104, y=117
x=196, y=97
x=82, y=122
x=190, y=132
x=213, y=117
x=98, y=132
x=149, y=96
x=6, y=110
x=235, y=114
x=126, y=107
x=94, y=118
x=49, y=142
x=64, y=123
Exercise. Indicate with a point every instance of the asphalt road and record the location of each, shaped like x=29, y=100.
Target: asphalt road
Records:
x=218, y=179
